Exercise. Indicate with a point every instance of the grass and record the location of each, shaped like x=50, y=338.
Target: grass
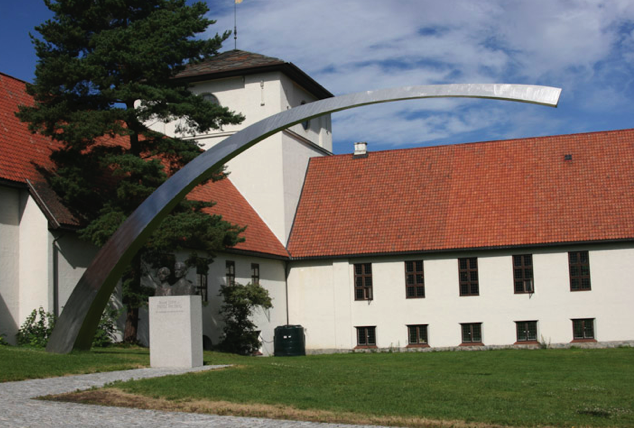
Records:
x=17, y=363
x=555, y=387
x=550, y=387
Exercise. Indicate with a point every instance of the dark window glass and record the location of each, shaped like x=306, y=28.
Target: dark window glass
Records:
x=468, y=275
x=363, y=281
x=579, y=265
x=526, y=331
x=366, y=336
x=230, y=272
x=583, y=329
x=523, y=273
x=472, y=333
x=414, y=279
x=255, y=273
x=417, y=334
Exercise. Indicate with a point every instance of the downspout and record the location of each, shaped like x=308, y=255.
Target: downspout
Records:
x=287, y=272
x=55, y=251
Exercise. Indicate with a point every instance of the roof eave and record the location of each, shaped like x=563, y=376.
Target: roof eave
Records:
x=465, y=250
x=290, y=69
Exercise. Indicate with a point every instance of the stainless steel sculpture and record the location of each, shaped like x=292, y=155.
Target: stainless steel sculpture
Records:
x=76, y=326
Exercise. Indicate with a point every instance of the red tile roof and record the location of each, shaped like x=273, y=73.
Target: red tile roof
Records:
x=22, y=152
x=494, y=194
x=234, y=208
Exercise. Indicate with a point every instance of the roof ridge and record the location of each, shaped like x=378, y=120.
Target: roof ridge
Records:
x=483, y=142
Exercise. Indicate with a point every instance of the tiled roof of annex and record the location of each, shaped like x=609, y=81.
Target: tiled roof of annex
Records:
x=22, y=153
x=523, y=192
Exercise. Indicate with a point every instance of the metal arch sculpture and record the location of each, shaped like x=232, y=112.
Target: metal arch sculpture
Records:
x=78, y=322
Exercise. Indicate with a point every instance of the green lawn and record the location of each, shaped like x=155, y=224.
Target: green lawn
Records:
x=555, y=387
x=26, y=363
x=562, y=387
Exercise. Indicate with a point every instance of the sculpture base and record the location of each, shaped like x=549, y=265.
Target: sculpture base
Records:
x=176, y=331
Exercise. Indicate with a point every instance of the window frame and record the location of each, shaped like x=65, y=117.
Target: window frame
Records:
x=366, y=337
x=584, y=322
x=525, y=327
x=416, y=286
x=255, y=273
x=527, y=274
x=364, y=277
x=420, y=331
x=579, y=265
x=468, y=284
x=471, y=326
x=230, y=272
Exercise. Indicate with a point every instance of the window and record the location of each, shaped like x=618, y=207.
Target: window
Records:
x=230, y=272
x=417, y=335
x=468, y=271
x=210, y=98
x=526, y=331
x=472, y=334
x=414, y=279
x=255, y=273
x=201, y=285
x=583, y=329
x=366, y=336
x=363, y=281
x=579, y=265
x=523, y=273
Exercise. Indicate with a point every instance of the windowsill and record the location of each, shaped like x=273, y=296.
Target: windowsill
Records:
x=363, y=300
x=365, y=347
x=417, y=345
x=527, y=342
x=524, y=292
x=581, y=289
x=583, y=340
x=415, y=297
x=469, y=295
x=472, y=344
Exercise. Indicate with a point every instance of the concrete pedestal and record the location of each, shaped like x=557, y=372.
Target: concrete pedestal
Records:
x=176, y=331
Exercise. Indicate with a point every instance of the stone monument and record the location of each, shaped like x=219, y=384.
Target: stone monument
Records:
x=176, y=327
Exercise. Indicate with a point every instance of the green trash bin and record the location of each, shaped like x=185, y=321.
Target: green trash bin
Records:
x=289, y=341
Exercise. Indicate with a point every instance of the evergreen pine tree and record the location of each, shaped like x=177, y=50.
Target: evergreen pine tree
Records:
x=105, y=68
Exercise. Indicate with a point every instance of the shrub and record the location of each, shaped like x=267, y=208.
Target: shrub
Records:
x=239, y=334
x=35, y=330
x=3, y=341
x=106, y=333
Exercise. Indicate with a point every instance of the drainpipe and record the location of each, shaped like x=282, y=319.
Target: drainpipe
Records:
x=55, y=251
x=287, y=271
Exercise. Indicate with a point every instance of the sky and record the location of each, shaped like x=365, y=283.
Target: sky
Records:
x=585, y=47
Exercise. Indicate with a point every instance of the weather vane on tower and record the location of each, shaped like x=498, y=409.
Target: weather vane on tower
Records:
x=235, y=24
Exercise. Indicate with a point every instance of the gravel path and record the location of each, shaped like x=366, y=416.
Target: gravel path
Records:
x=18, y=409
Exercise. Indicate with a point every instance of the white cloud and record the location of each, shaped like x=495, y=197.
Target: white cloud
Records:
x=585, y=46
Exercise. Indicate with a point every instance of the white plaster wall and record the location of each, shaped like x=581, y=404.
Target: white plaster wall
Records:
x=295, y=157
x=321, y=296
x=33, y=258
x=9, y=262
x=72, y=256
x=269, y=175
x=272, y=277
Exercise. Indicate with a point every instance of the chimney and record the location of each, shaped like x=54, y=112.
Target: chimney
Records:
x=360, y=149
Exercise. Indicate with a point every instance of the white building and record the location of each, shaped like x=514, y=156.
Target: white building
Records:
x=499, y=243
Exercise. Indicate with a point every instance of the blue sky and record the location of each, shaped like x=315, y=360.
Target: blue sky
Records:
x=585, y=47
